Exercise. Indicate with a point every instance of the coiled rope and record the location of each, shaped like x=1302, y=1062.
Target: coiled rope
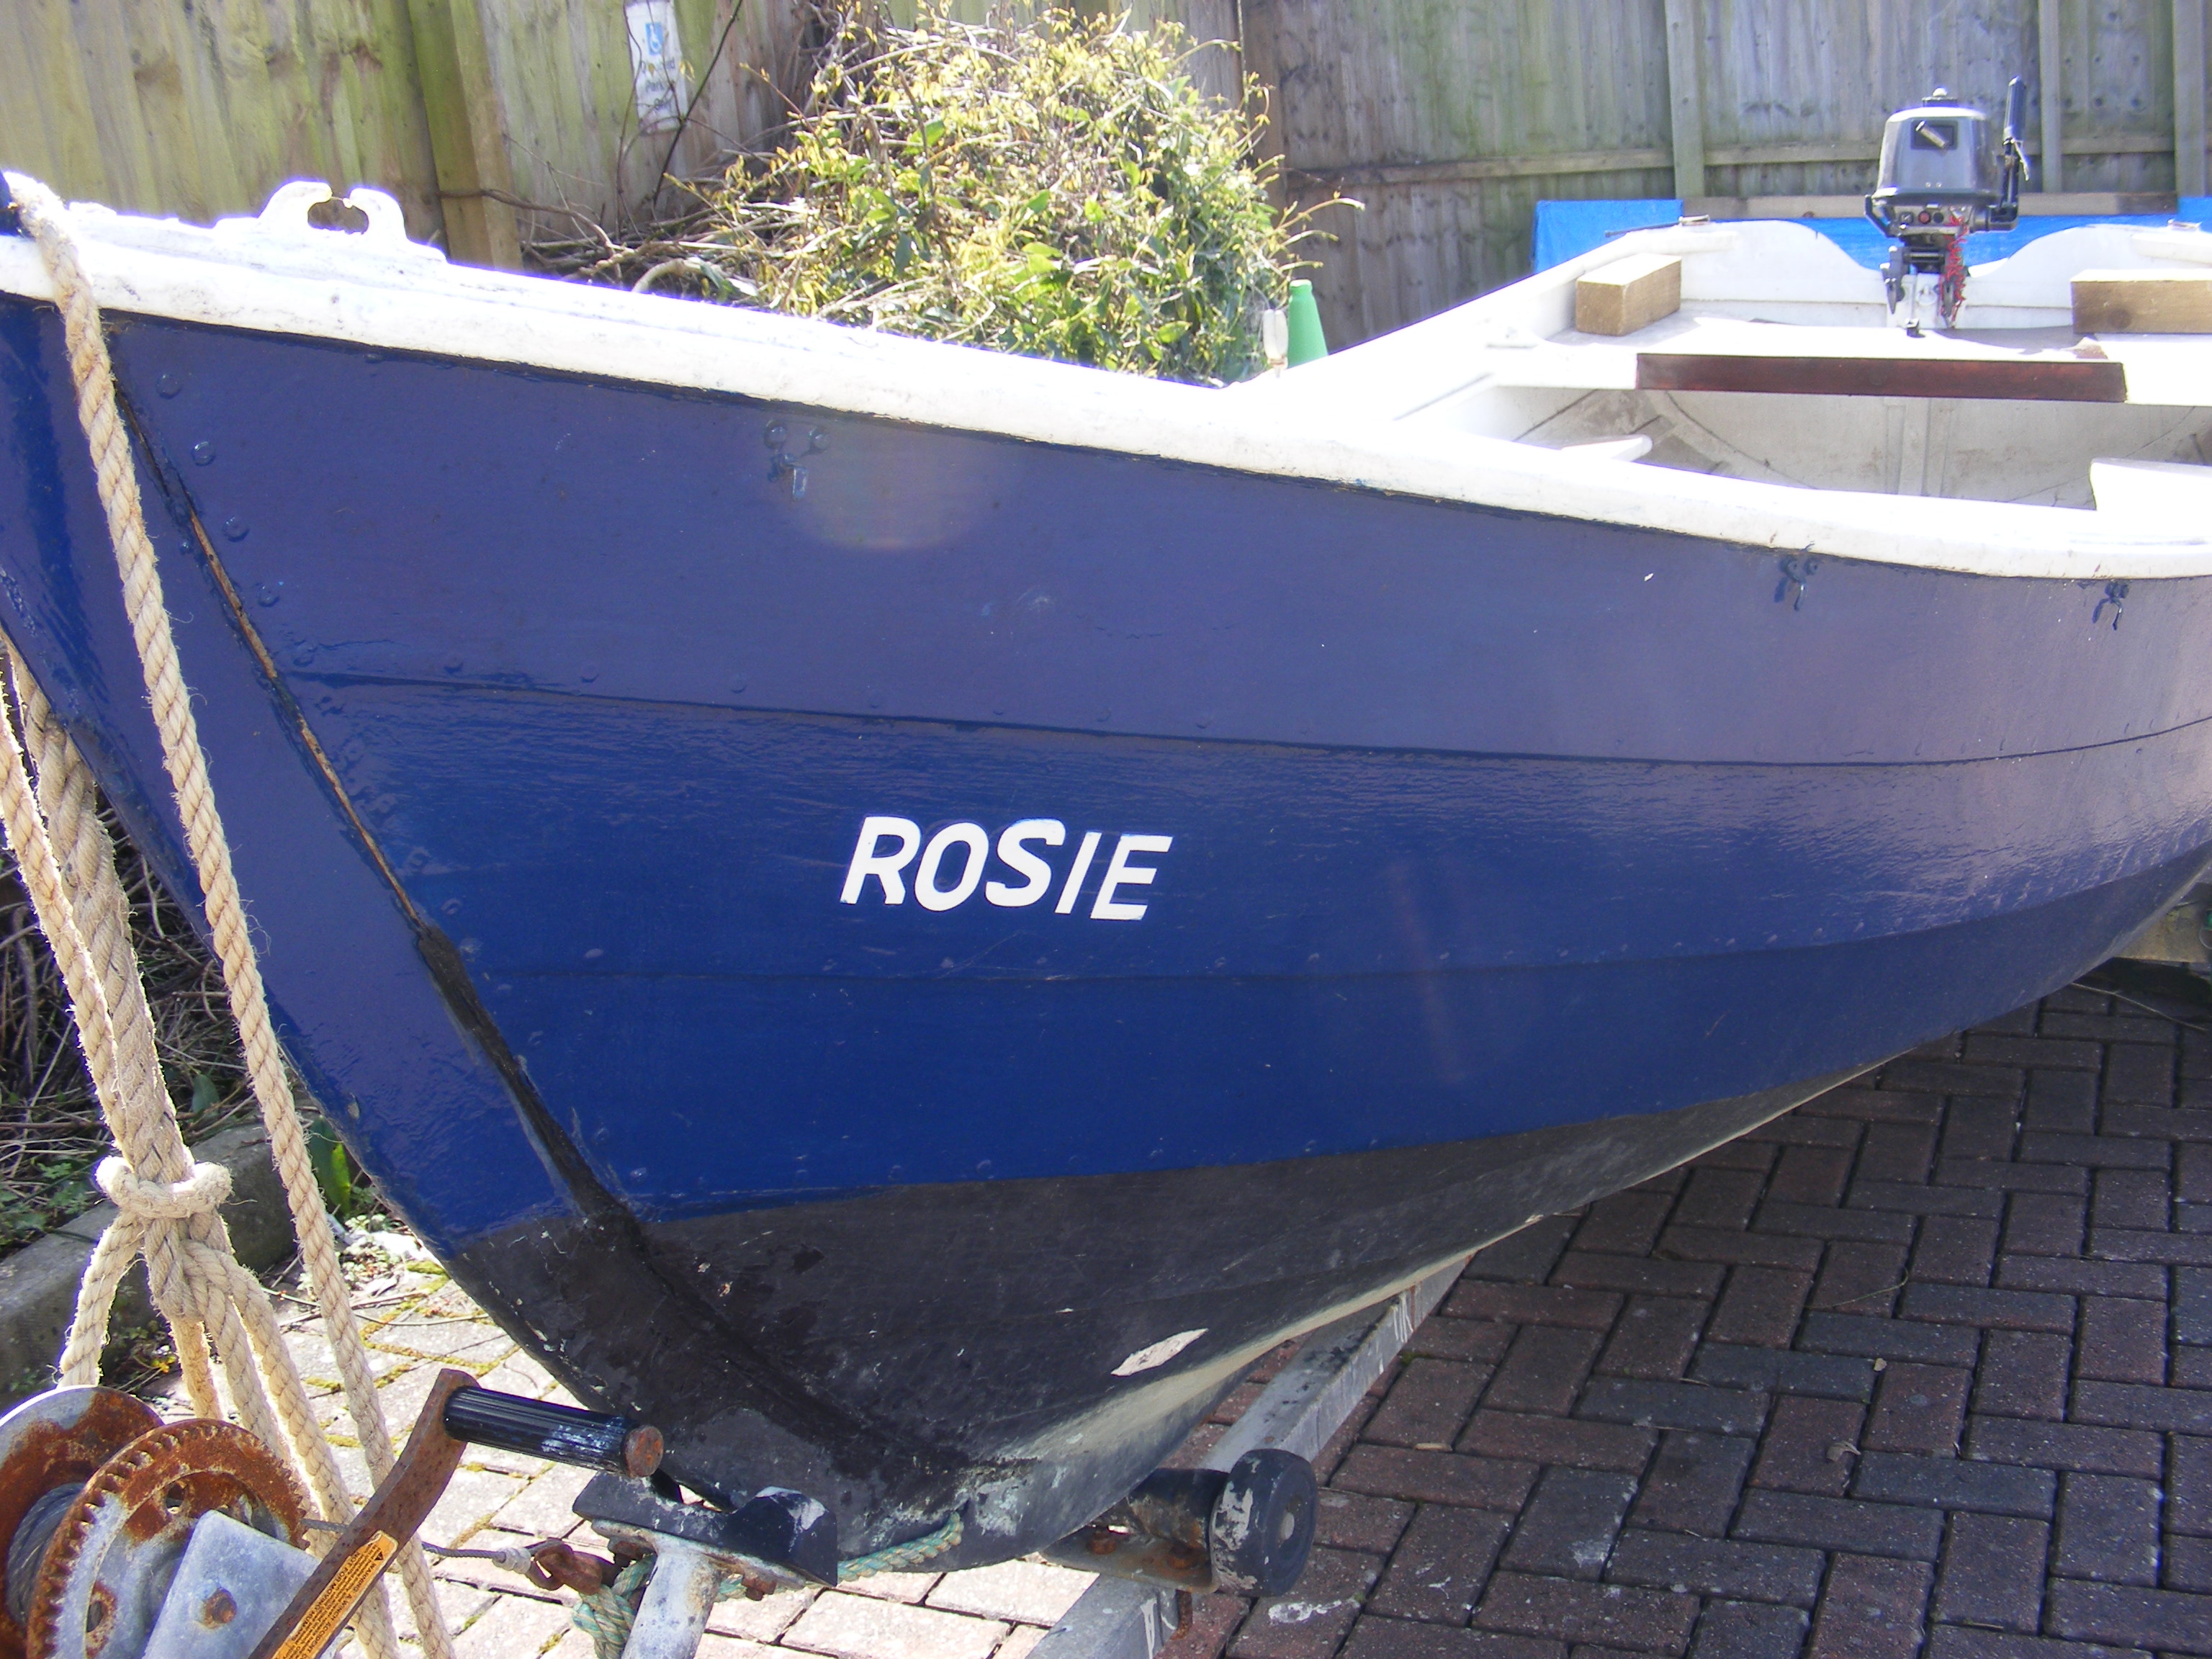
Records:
x=167, y=1204
x=903, y=1558
x=607, y=1613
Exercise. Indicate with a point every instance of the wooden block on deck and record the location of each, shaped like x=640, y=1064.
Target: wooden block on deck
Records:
x=1628, y=294
x=2144, y=302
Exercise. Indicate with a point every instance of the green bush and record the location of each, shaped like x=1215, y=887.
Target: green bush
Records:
x=1062, y=189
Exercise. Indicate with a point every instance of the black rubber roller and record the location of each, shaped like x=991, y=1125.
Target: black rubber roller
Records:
x=1261, y=1530
x=563, y=1434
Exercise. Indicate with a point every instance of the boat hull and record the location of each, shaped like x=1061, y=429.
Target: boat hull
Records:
x=977, y=1338
x=1448, y=865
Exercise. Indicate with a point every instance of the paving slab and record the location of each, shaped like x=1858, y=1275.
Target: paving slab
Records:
x=862, y=1627
x=1020, y=1592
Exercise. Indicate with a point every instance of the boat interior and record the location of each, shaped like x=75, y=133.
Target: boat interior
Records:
x=1764, y=352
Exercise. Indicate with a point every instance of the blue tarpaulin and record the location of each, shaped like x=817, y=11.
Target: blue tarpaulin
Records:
x=1565, y=229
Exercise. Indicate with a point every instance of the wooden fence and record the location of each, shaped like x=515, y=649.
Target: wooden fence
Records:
x=460, y=108
x=1446, y=119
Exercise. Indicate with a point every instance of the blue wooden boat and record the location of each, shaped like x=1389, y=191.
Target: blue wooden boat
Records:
x=904, y=914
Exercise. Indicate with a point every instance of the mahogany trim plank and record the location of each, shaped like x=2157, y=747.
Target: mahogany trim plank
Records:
x=2053, y=379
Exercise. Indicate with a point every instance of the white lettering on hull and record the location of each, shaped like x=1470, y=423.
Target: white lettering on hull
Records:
x=952, y=865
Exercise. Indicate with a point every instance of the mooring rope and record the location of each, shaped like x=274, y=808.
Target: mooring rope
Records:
x=608, y=1612
x=902, y=1557
x=168, y=1205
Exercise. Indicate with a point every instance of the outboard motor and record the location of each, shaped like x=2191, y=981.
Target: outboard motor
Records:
x=1939, y=182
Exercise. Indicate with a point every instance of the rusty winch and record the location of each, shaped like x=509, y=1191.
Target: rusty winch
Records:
x=125, y=1537
x=101, y=1504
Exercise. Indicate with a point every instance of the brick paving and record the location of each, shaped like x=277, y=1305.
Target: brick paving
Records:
x=1924, y=1366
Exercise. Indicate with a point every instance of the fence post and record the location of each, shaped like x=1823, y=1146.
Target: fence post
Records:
x=1257, y=57
x=2051, y=68
x=468, y=132
x=2189, y=97
x=1683, y=99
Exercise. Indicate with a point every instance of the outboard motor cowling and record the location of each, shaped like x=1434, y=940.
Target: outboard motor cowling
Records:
x=1941, y=179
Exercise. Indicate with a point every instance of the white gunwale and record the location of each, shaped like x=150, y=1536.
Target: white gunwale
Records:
x=1338, y=422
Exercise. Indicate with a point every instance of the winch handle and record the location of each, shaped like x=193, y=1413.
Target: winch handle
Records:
x=342, y=1578
x=459, y=1412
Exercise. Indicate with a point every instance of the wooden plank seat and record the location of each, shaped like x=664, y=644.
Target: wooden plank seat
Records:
x=2043, y=378
x=1686, y=352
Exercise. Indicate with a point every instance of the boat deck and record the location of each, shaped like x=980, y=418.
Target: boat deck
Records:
x=1928, y=1357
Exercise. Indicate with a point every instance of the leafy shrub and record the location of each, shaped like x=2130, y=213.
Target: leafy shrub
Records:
x=1062, y=191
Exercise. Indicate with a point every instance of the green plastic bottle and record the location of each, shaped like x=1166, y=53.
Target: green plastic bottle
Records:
x=1307, y=342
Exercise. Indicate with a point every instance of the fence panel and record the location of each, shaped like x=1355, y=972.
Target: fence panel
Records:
x=158, y=107
x=1448, y=121
x=1779, y=74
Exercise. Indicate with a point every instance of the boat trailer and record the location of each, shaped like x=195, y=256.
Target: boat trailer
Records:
x=125, y=1537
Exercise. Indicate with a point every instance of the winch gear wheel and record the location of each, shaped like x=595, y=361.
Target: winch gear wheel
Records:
x=113, y=1556
x=55, y=1441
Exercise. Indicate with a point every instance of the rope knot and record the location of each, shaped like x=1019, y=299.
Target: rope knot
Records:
x=234, y=1314
x=200, y=1193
